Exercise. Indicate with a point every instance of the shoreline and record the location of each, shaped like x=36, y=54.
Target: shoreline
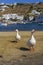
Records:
x=12, y=33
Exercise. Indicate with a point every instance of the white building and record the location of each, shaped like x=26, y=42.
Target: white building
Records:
x=20, y=17
x=6, y=16
x=13, y=16
x=3, y=10
x=2, y=7
x=31, y=18
x=35, y=12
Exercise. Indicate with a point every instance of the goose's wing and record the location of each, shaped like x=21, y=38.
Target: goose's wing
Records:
x=29, y=43
x=18, y=37
x=33, y=40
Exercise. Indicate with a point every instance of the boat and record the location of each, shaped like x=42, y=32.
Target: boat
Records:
x=4, y=24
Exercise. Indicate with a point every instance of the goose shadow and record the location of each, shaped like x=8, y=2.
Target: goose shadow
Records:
x=1, y=56
x=24, y=49
x=13, y=41
x=23, y=55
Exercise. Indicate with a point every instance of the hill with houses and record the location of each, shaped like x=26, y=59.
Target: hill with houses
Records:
x=20, y=10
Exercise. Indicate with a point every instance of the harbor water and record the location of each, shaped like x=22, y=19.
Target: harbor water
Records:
x=22, y=26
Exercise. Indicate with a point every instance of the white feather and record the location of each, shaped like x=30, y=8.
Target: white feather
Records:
x=32, y=41
x=18, y=37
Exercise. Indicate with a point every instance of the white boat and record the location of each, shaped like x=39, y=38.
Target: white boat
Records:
x=4, y=24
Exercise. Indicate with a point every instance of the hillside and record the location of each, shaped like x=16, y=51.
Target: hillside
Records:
x=23, y=8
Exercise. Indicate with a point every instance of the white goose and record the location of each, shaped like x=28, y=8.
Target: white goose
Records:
x=32, y=41
x=18, y=37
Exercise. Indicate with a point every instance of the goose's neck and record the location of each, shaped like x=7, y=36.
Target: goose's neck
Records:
x=32, y=35
x=17, y=32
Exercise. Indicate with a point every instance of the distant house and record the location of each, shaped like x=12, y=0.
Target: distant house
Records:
x=20, y=17
x=12, y=16
x=2, y=7
x=34, y=12
x=31, y=18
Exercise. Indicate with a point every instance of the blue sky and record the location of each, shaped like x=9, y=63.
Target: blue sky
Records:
x=19, y=1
